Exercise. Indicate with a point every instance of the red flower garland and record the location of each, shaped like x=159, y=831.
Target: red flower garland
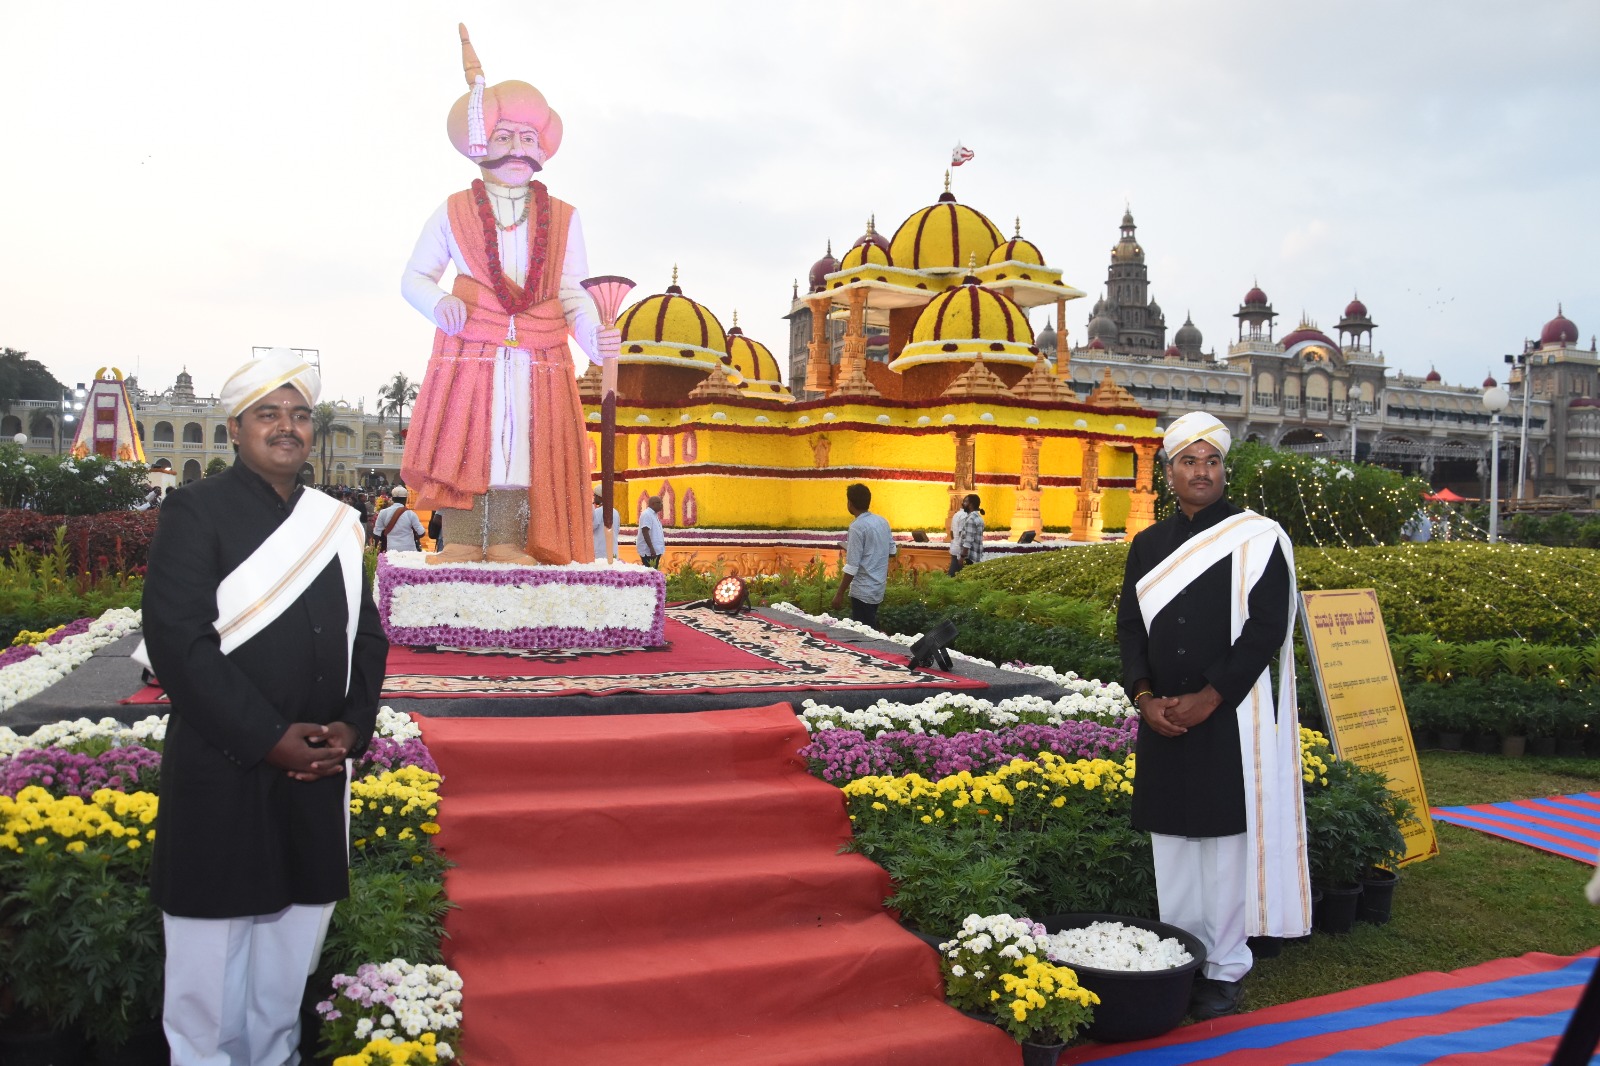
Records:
x=513, y=300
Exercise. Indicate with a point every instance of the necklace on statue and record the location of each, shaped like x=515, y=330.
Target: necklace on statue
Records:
x=522, y=203
x=513, y=300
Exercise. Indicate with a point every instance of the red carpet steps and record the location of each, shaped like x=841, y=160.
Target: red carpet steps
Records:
x=667, y=889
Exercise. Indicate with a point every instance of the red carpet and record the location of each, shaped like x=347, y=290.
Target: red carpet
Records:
x=667, y=889
x=1510, y=1012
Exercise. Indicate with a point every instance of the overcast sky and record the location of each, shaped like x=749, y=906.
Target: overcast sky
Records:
x=183, y=181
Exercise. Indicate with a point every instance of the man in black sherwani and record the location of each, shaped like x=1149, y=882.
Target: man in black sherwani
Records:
x=1206, y=606
x=259, y=625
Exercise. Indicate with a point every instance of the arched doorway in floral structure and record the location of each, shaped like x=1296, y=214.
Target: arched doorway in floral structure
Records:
x=669, y=504
x=691, y=508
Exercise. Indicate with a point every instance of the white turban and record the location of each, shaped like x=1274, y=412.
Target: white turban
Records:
x=259, y=378
x=1196, y=426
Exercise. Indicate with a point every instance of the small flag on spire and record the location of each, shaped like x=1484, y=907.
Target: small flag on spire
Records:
x=959, y=154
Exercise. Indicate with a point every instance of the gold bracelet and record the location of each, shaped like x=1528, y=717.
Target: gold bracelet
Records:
x=1141, y=695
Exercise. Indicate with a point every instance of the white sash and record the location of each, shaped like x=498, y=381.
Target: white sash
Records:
x=1278, y=887
x=259, y=589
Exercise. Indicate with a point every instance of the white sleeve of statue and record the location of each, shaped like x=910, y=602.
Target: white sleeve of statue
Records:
x=420, y=282
x=583, y=319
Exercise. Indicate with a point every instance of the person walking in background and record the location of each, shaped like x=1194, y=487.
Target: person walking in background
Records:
x=397, y=526
x=868, y=548
x=651, y=542
x=966, y=538
x=1207, y=603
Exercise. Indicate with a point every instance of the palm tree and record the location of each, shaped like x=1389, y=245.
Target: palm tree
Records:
x=396, y=397
x=324, y=424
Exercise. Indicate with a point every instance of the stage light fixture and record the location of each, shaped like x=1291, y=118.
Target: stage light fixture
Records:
x=930, y=648
x=730, y=595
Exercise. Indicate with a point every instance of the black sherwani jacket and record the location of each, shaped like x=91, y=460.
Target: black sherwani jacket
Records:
x=1193, y=785
x=234, y=836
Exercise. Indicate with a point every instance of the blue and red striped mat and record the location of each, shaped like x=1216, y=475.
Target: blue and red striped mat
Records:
x=1510, y=1012
x=1565, y=825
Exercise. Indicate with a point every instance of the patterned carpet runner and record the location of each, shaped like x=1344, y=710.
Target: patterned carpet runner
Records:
x=1565, y=825
x=1510, y=1012
x=667, y=889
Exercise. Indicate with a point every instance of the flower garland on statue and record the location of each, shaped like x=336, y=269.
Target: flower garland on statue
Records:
x=513, y=300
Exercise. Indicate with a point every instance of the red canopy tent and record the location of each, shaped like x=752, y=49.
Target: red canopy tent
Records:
x=1444, y=495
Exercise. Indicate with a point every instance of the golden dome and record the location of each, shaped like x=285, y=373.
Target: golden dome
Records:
x=754, y=367
x=1017, y=250
x=944, y=236
x=966, y=321
x=671, y=328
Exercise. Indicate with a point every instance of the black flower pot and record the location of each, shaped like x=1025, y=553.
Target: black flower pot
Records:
x=1265, y=947
x=1450, y=741
x=1543, y=747
x=1041, y=1054
x=1377, y=896
x=1337, y=914
x=1135, y=1004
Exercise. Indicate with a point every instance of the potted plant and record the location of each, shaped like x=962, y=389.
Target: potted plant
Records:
x=997, y=967
x=1354, y=822
x=389, y=1007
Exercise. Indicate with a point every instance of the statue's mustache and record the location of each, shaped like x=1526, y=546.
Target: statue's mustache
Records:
x=496, y=164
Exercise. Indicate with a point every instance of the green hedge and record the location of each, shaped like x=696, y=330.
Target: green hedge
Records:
x=1458, y=592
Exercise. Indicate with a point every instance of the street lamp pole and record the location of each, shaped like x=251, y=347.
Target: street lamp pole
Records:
x=1522, y=457
x=1495, y=399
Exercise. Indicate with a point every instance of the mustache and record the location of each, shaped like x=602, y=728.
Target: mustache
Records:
x=496, y=164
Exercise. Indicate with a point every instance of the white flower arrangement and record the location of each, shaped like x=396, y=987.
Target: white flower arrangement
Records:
x=1009, y=937
x=396, y=726
x=146, y=731
x=28, y=677
x=927, y=716
x=395, y=1001
x=1115, y=946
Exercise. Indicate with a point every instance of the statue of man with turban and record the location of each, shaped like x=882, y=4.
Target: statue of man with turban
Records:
x=497, y=439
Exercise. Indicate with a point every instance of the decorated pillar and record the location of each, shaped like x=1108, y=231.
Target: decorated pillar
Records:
x=1027, y=514
x=1142, y=500
x=852, y=379
x=1086, y=521
x=819, y=372
x=965, y=479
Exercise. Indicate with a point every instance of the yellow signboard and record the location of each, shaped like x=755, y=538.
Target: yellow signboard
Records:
x=1349, y=652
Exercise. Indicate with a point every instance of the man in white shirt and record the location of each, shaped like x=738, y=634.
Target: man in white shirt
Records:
x=868, y=549
x=398, y=525
x=651, y=542
x=600, y=530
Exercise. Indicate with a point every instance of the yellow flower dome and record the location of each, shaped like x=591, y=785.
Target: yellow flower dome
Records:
x=753, y=366
x=967, y=321
x=872, y=247
x=944, y=236
x=1017, y=250
x=672, y=329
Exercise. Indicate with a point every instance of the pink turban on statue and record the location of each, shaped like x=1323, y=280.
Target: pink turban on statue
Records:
x=516, y=101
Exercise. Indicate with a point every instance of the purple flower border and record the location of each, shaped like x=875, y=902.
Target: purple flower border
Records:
x=392, y=577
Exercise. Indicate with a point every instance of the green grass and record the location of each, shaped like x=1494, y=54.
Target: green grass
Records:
x=1480, y=898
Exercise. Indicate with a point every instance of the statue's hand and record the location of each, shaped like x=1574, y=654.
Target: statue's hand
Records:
x=609, y=341
x=450, y=314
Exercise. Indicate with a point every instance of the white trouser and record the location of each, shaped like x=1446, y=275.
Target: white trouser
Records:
x=1200, y=884
x=234, y=985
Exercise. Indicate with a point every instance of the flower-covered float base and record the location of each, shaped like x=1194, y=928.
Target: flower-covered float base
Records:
x=497, y=605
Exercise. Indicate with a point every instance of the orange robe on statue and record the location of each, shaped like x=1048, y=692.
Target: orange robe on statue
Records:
x=448, y=446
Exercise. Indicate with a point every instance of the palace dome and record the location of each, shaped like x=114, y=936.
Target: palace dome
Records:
x=1307, y=332
x=1355, y=309
x=756, y=368
x=1433, y=375
x=671, y=328
x=1102, y=327
x=967, y=321
x=821, y=269
x=1255, y=297
x=1559, y=331
x=1188, y=334
x=944, y=236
